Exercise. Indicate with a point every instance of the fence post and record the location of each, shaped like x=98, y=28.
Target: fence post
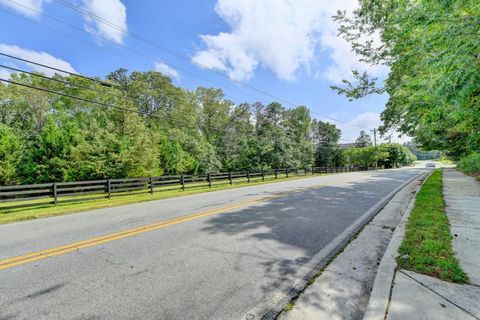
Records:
x=263, y=175
x=151, y=185
x=54, y=187
x=248, y=176
x=109, y=188
x=230, y=177
x=182, y=181
x=276, y=173
x=209, y=180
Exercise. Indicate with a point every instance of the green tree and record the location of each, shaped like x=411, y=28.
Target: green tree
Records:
x=11, y=152
x=366, y=156
x=48, y=156
x=363, y=140
x=48, y=137
x=398, y=155
x=272, y=135
x=326, y=137
x=431, y=49
x=299, y=130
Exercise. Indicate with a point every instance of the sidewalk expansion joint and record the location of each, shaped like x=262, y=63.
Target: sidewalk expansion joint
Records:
x=438, y=294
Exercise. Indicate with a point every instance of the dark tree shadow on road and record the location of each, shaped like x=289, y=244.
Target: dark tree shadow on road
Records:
x=306, y=221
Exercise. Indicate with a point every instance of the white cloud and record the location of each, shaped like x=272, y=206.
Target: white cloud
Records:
x=366, y=121
x=24, y=5
x=113, y=11
x=344, y=60
x=167, y=70
x=37, y=56
x=5, y=74
x=283, y=36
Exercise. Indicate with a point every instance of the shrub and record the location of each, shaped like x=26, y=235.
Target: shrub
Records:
x=470, y=164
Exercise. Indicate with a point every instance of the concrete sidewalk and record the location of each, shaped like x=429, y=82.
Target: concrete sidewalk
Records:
x=415, y=296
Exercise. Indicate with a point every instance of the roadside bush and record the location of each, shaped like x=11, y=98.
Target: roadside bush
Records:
x=364, y=157
x=445, y=159
x=11, y=152
x=388, y=155
x=470, y=164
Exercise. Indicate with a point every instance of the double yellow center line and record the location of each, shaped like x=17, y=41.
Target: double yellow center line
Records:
x=39, y=255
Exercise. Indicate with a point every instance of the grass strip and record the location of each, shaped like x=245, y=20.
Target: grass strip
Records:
x=427, y=241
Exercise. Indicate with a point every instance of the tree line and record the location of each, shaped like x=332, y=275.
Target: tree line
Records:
x=432, y=51
x=47, y=137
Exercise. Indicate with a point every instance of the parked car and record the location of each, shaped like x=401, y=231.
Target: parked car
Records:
x=431, y=165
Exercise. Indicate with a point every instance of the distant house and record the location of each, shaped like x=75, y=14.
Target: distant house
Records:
x=345, y=146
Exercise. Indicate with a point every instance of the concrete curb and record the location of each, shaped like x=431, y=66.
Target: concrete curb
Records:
x=380, y=294
x=321, y=259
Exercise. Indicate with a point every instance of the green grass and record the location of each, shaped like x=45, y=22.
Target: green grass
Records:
x=290, y=306
x=48, y=210
x=470, y=164
x=427, y=240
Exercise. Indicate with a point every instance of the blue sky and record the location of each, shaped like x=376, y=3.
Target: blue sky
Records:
x=287, y=48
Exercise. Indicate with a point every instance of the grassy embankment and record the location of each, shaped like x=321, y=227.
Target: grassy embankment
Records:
x=427, y=240
x=470, y=165
x=48, y=210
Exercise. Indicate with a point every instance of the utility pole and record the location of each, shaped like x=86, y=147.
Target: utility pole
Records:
x=374, y=136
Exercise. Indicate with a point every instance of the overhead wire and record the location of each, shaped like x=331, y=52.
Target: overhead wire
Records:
x=39, y=75
x=184, y=57
x=75, y=84
x=140, y=53
x=100, y=103
x=169, y=51
x=149, y=57
x=109, y=105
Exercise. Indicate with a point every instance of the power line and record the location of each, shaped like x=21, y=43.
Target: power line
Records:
x=181, y=56
x=74, y=84
x=151, y=43
x=104, y=104
x=88, y=88
x=66, y=35
x=153, y=59
x=51, y=68
x=163, y=48
x=79, y=98
x=77, y=85
x=194, y=126
x=94, y=101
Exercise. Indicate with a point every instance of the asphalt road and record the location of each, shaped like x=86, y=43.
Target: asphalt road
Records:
x=238, y=250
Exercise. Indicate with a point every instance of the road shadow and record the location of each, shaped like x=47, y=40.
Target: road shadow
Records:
x=303, y=223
